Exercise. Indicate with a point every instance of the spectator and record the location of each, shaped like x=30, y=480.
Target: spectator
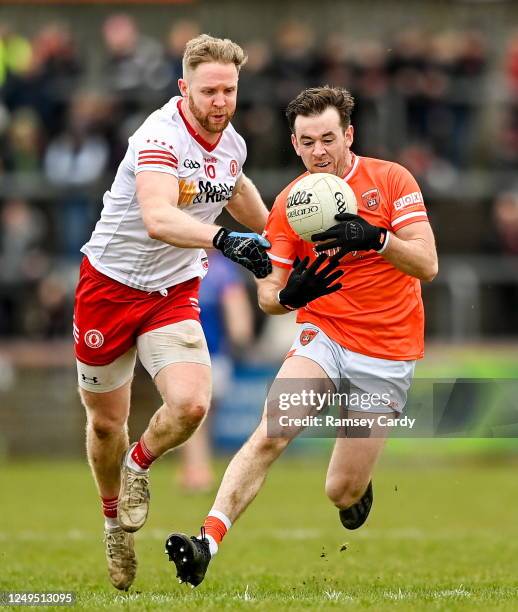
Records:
x=134, y=64
x=257, y=118
x=24, y=145
x=504, y=242
x=15, y=53
x=74, y=161
x=179, y=34
x=51, y=77
x=22, y=262
x=371, y=119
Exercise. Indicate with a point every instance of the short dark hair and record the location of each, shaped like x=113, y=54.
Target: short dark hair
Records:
x=316, y=100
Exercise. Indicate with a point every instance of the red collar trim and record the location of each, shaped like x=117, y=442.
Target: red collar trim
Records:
x=199, y=139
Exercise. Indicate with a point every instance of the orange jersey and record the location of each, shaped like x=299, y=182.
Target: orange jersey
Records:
x=379, y=310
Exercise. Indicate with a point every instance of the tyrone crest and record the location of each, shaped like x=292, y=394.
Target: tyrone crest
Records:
x=94, y=339
x=371, y=199
x=306, y=335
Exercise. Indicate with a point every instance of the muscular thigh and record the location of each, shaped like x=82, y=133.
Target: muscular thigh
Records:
x=177, y=358
x=293, y=395
x=112, y=406
x=185, y=384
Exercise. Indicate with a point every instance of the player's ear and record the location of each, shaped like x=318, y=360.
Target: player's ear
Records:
x=295, y=144
x=183, y=87
x=349, y=136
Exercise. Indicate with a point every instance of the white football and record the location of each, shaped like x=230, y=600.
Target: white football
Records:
x=314, y=201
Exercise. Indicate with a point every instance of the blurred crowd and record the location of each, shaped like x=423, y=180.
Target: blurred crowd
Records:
x=64, y=122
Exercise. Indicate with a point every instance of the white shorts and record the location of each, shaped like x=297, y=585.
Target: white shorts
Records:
x=182, y=342
x=368, y=378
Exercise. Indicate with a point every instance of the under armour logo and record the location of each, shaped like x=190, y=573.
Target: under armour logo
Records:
x=93, y=380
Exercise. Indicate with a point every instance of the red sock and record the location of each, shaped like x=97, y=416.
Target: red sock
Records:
x=215, y=528
x=109, y=505
x=141, y=455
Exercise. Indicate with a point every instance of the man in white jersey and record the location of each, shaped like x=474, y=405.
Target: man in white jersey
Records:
x=139, y=279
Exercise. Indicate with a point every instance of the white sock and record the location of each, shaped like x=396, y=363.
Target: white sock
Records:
x=111, y=523
x=213, y=545
x=134, y=466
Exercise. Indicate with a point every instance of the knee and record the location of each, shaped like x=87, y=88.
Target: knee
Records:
x=344, y=490
x=190, y=410
x=106, y=413
x=104, y=427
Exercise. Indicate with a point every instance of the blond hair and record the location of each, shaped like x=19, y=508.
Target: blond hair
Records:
x=206, y=48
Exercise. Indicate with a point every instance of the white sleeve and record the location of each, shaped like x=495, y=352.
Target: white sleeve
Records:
x=155, y=154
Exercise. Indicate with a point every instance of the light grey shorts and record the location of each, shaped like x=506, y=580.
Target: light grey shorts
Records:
x=375, y=385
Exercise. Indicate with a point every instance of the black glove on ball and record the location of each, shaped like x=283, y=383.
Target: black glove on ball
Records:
x=352, y=234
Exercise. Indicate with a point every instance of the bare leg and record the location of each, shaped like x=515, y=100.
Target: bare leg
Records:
x=106, y=435
x=247, y=471
x=352, y=464
x=185, y=389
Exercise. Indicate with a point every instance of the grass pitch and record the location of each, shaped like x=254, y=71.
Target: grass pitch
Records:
x=439, y=538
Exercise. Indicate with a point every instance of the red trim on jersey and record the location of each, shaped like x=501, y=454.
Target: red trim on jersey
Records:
x=158, y=162
x=199, y=139
x=147, y=152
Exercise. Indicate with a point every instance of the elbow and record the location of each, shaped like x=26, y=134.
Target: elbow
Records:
x=153, y=228
x=430, y=272
x=268, y=307
x=265, y=307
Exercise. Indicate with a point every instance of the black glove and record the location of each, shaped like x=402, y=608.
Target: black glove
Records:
x=248, y=250
x=352, y=234
x=306, y=284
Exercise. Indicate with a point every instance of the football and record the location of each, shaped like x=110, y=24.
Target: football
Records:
x=314, y=201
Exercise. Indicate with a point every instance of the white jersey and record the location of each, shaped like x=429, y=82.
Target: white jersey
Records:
x=120, y=246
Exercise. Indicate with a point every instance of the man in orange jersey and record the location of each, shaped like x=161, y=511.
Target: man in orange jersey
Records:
x=369, y=332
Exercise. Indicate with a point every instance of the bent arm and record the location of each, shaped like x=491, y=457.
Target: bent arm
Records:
x=412, y=250
x=157, y=195
x=247, y=206
x=268, y=290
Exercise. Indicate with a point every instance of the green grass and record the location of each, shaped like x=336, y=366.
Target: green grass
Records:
x=439, y=538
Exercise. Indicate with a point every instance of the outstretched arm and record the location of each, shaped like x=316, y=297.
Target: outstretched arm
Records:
x=247, y=206
x=157, y=194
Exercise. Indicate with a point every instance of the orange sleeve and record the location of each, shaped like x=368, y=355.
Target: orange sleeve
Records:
x=406, y=203
x=282, y=238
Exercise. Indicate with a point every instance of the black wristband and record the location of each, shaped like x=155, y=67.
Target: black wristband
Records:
x=219, y=236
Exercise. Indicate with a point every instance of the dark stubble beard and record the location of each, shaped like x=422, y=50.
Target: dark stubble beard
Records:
x=204, y=120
